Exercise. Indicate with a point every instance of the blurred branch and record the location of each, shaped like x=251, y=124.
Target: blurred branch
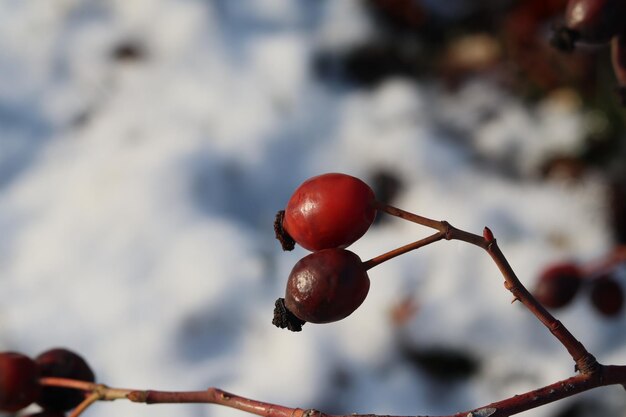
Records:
x=604, y=376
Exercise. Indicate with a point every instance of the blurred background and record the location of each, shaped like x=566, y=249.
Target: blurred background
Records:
x=146, y=145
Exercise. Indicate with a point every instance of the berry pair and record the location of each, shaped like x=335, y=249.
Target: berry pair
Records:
x=325, y=214
x=19, y=380
x=559, y=284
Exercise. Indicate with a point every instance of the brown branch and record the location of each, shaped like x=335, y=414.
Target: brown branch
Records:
x=585, y=362
x=605, y=375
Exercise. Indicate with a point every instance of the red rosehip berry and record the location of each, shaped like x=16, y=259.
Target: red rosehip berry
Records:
x=19, y=381
x=590, y=21
x=328, y=211
x=596, y=21
x=326, y=286
x=557, y=286
x=62, y=363
x=607, y=296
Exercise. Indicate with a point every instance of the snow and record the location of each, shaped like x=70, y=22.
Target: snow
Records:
x=137, y=201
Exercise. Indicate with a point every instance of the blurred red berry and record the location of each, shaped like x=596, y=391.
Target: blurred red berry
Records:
x=607, y=296
x=19, y=381
x=557, y=285
x=590, y=21
x=62, y=363
x=596, y=21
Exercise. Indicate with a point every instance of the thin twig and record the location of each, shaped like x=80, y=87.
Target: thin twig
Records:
x=403, y=249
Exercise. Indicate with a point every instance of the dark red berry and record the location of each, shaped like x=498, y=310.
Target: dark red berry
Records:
x=607, y=296
x=62, y=363
x=19, y=381
x=326, y=286
x=329, y=211
x=591, y=21
x=557, y=285
x=596, y=21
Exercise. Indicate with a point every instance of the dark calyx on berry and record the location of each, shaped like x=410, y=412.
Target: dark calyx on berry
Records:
x=329, y=211
x=62, y=363
x=326, y=286
x=285, y=319
x=557, y=286
x=19, y=381
x=286, y=241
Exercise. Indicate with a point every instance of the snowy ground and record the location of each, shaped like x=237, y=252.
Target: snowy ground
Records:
x=137, y=198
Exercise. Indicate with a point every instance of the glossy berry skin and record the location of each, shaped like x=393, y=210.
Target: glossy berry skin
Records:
x=327, y=286
x=595, y=21
x=62, y=363
x=557, y=285
x=607, y=296
x=19, y=381
x=329, y=211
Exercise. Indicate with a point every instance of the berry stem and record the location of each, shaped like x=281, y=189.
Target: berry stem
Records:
x=105, y=393
x=412, y=217
x=403, y=249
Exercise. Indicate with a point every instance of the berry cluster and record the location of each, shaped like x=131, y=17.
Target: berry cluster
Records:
x=20, y=380
x=325, y=214
x=559, y=284
x=597, y=22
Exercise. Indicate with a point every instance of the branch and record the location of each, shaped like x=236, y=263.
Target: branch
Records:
x=606, y=375
x=585, y=362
